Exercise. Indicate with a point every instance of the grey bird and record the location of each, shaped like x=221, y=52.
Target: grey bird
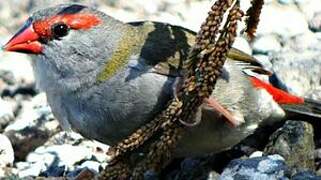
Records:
x=105, y=78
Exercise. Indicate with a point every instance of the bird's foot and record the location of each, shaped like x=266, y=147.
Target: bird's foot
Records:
x=230, y=118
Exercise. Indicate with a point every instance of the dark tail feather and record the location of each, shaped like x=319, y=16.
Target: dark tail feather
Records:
x=309, y=110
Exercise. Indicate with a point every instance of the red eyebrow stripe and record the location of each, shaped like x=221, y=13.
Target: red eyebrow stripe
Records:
x=74, y=21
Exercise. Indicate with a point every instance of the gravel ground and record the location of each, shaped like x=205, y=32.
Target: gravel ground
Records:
x=288, y=42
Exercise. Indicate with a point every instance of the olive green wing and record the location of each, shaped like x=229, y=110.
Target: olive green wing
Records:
x=166, y=48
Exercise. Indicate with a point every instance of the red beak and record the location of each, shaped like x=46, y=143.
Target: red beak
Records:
x=25, y=40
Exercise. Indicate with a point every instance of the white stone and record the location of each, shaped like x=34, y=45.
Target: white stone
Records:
x=265, y=61
x=31, y=111
x=31, y=169
x=19, y=65
x=256, y=154
x=266, y=44
x=92, y=165
x=298, y=72
x=6, y=151
x=242, y=44
x=67, y=155
x=286, y=21
x=304, y=42
x=310, y=7
x=6, y=110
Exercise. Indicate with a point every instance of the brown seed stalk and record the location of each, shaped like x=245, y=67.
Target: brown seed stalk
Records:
x=253, y=17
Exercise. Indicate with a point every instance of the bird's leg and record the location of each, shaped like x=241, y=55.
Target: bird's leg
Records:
x=211, y=102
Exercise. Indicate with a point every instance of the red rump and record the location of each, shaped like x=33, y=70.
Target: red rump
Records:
x=278, y=95
x=74, y=21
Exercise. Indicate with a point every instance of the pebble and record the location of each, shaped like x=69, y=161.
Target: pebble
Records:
x=309, y=8
x=306, y=175
x=315, y=23
x=256, y=154
x=242, y=44
x=31, y=113
x=30, y=169
x=6, y=113
x=298, y=72
x=285, y=21
x=266, y=44
x=265, y=61
x=294, y=142
x=67, y=155
x=304, y=42
x=6, y=152
x=98, y=149
x=92, y=165
x=19, y=65
x=264, y=168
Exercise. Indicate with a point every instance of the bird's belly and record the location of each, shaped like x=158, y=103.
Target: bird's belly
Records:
x=113, y=110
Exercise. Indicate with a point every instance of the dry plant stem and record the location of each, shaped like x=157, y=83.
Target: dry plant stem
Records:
x=253, y=17
x=210, y=27
x=203, y=71
x=160, y=151
x=120, y=170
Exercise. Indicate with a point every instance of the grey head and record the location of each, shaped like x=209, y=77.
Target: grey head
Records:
x=70, y=44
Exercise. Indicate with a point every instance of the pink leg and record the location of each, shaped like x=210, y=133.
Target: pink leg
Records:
x=211, y=102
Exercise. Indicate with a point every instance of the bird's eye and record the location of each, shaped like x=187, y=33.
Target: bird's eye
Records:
x=59, y=30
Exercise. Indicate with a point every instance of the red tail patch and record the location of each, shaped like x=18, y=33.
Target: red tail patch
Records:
x=278, y=95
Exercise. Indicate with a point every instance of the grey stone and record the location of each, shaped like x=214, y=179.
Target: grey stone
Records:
x=314, y=93
x=7, y=77
x=298, y=72
x=294, y=141
x=68, y=150
x=31, y=113
x=263, y=168
x=33, y=126
x=304, y=42
x=65, y=137
x=150, y=175
x=306, y=175
x=191, y=169
x=54, y=171
x=315, y=22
